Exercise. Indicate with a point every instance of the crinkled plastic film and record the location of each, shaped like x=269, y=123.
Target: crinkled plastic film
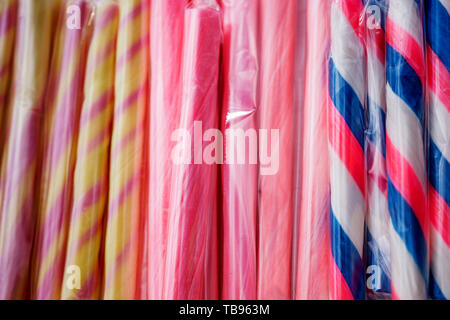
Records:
x=36, y=25
x=405, y=150
x=378, y=259
x=347, y=90
x=191, y=265
x=90, y=192
x=239, y=180
x=438, y=98
x=124, y=233
x=224, y=149
x=59, y=143
x=313, y=235
x=166, y=49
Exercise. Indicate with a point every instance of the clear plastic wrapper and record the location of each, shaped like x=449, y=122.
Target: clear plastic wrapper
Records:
x=124, y=233
x=8, y=21
x=313, y=234
x=239, y=180
x=36, y=25
x=405, y=153
x=276, y=112
x=377, y=251
x=166, y=44
x=347, y=89
x=90, y=192
x=192, y=266
x=438, y=84
x=59, y=140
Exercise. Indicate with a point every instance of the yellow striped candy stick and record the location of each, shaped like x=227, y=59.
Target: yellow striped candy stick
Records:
x=124, y=234
x=90, y=193
x=37, y=23
x=8, y=18
x=61, y=119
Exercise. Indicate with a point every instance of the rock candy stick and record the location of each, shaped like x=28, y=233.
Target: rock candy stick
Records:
x=276, y=112
x=124, y=236
x=191, y=267
x=90, y=192
x=438, y=82
x=8, y=18
x=240, y=178
x=378, y=266
x=36, y=25
x=314, y=231
x=405, y=152
x=346, y=150
x=60, y=127
x=166, y=39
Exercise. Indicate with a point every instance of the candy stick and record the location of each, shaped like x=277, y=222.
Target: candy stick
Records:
x=60, y=126
x=277, y=27
x=314, y=230
x=123, y=234
x=438, y=83
x=166, y=37
x=92, y=161
x=8, y=18
x=240, y=180
x=20, y=156
x=191, y=267
x=405, y=155
x=346, y=151
x=377, y=219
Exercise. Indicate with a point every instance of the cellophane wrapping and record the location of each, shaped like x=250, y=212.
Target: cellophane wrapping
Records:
x=240, y=178
x=60, y=135
x=192, y=257
x=21, y=150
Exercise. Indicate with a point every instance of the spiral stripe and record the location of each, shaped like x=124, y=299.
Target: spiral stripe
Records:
x=21, y=151
x=438, y=58
x=125, y=189
x=8, y=18
x=405, y=72
x=346, y=150
x=92, y=161
x=377, y=236
x=63, y=103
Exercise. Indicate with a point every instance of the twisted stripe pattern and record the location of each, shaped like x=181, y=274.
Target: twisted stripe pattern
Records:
x=8, y=20
x=377, y=234
x=438, y=84
x=62, y=111
x=346, y=151
x=123, y=234
x=92, y=162
x=21, y=150
x=405, y=154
